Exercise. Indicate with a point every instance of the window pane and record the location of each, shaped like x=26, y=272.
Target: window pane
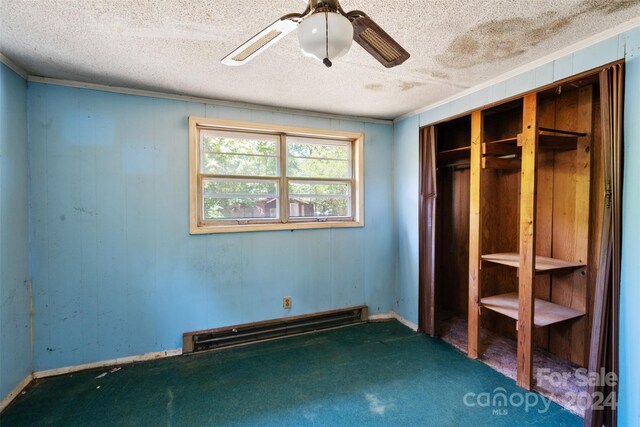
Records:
x=241, y=208
x=319, y=207
x=307, y=147
x=213, y=187
x=317, y=158
x=297, y=188
x=231, y=164
x=240, y=199
x=239, y=142
x=236, y=153
x=319, y=199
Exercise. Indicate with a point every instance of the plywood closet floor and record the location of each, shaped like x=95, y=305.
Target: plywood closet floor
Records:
x=499, y=352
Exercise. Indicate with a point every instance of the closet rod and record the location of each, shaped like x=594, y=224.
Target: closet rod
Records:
x=566, y=132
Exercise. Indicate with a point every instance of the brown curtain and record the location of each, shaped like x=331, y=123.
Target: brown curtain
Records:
x=428, y=194
x=604, y=335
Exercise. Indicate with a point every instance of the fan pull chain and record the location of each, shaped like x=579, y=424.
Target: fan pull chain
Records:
x=326, y=61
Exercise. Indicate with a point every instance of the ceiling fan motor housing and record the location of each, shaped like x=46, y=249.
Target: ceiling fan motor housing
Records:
x=325, y=6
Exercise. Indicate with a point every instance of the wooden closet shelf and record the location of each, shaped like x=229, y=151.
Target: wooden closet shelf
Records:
x=454, y=154
x=556, y=142
x=512, y=140
x=501, y=163
x=494, y=152
x=545, y=313
x=510, y=146
x=544, y=265
x=499, y=148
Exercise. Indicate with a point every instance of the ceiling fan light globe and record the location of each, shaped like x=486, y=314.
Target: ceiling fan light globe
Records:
x=313, y=37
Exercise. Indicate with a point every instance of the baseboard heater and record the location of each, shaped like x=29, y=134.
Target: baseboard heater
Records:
x=250, y=332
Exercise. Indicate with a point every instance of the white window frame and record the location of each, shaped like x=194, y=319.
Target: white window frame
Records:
x=197, y=223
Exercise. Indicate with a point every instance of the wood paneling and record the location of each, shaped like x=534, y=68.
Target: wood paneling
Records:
x=579, y=328
x=475, y=241
x=500, y=211
x=571, y=194
x=557, y=193
x=560, y=209
x=527, y=241
x=452, y=250
x=544, y=213
x=452, y=213
x=564, y=211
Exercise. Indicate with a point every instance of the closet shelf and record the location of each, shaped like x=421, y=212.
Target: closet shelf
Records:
x=506, y=141
x=513, y=146
x=501, y=163
x=545, y=313
x=449, y=156
x=502, y=147
x=544, y=265
x=554, y=142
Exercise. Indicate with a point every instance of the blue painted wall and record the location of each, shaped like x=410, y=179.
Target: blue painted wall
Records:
x=15, y=336
x=626, y=45
x=630, y=292
x=406, y=217
x=115, y=271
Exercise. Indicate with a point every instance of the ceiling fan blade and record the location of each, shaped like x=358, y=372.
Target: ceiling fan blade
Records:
x=263, y=40
x=376, y=41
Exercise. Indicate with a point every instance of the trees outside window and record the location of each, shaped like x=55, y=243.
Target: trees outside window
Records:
x=247, y=177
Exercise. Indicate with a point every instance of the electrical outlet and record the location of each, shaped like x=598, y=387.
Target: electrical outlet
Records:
x=286, y=303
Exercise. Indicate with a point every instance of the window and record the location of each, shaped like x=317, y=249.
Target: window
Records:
x=249, y=177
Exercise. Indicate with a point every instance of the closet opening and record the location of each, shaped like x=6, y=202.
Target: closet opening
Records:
x=513, y=202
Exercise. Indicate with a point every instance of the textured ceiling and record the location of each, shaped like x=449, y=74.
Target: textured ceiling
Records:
x=176, y=47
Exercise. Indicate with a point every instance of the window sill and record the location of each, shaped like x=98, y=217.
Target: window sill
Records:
x=236, y=228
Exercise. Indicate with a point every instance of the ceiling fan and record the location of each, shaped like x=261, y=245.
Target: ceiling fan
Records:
x=325, y=33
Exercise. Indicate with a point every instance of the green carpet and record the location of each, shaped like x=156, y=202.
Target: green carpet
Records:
x=371, y=374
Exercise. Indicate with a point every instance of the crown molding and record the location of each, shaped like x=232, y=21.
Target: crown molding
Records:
x=233, y=104
x=164, y=95
x=14, y=67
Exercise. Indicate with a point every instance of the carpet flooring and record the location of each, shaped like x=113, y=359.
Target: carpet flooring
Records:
x=370, y=374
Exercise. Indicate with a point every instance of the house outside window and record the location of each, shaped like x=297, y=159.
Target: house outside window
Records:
x=253, y=177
